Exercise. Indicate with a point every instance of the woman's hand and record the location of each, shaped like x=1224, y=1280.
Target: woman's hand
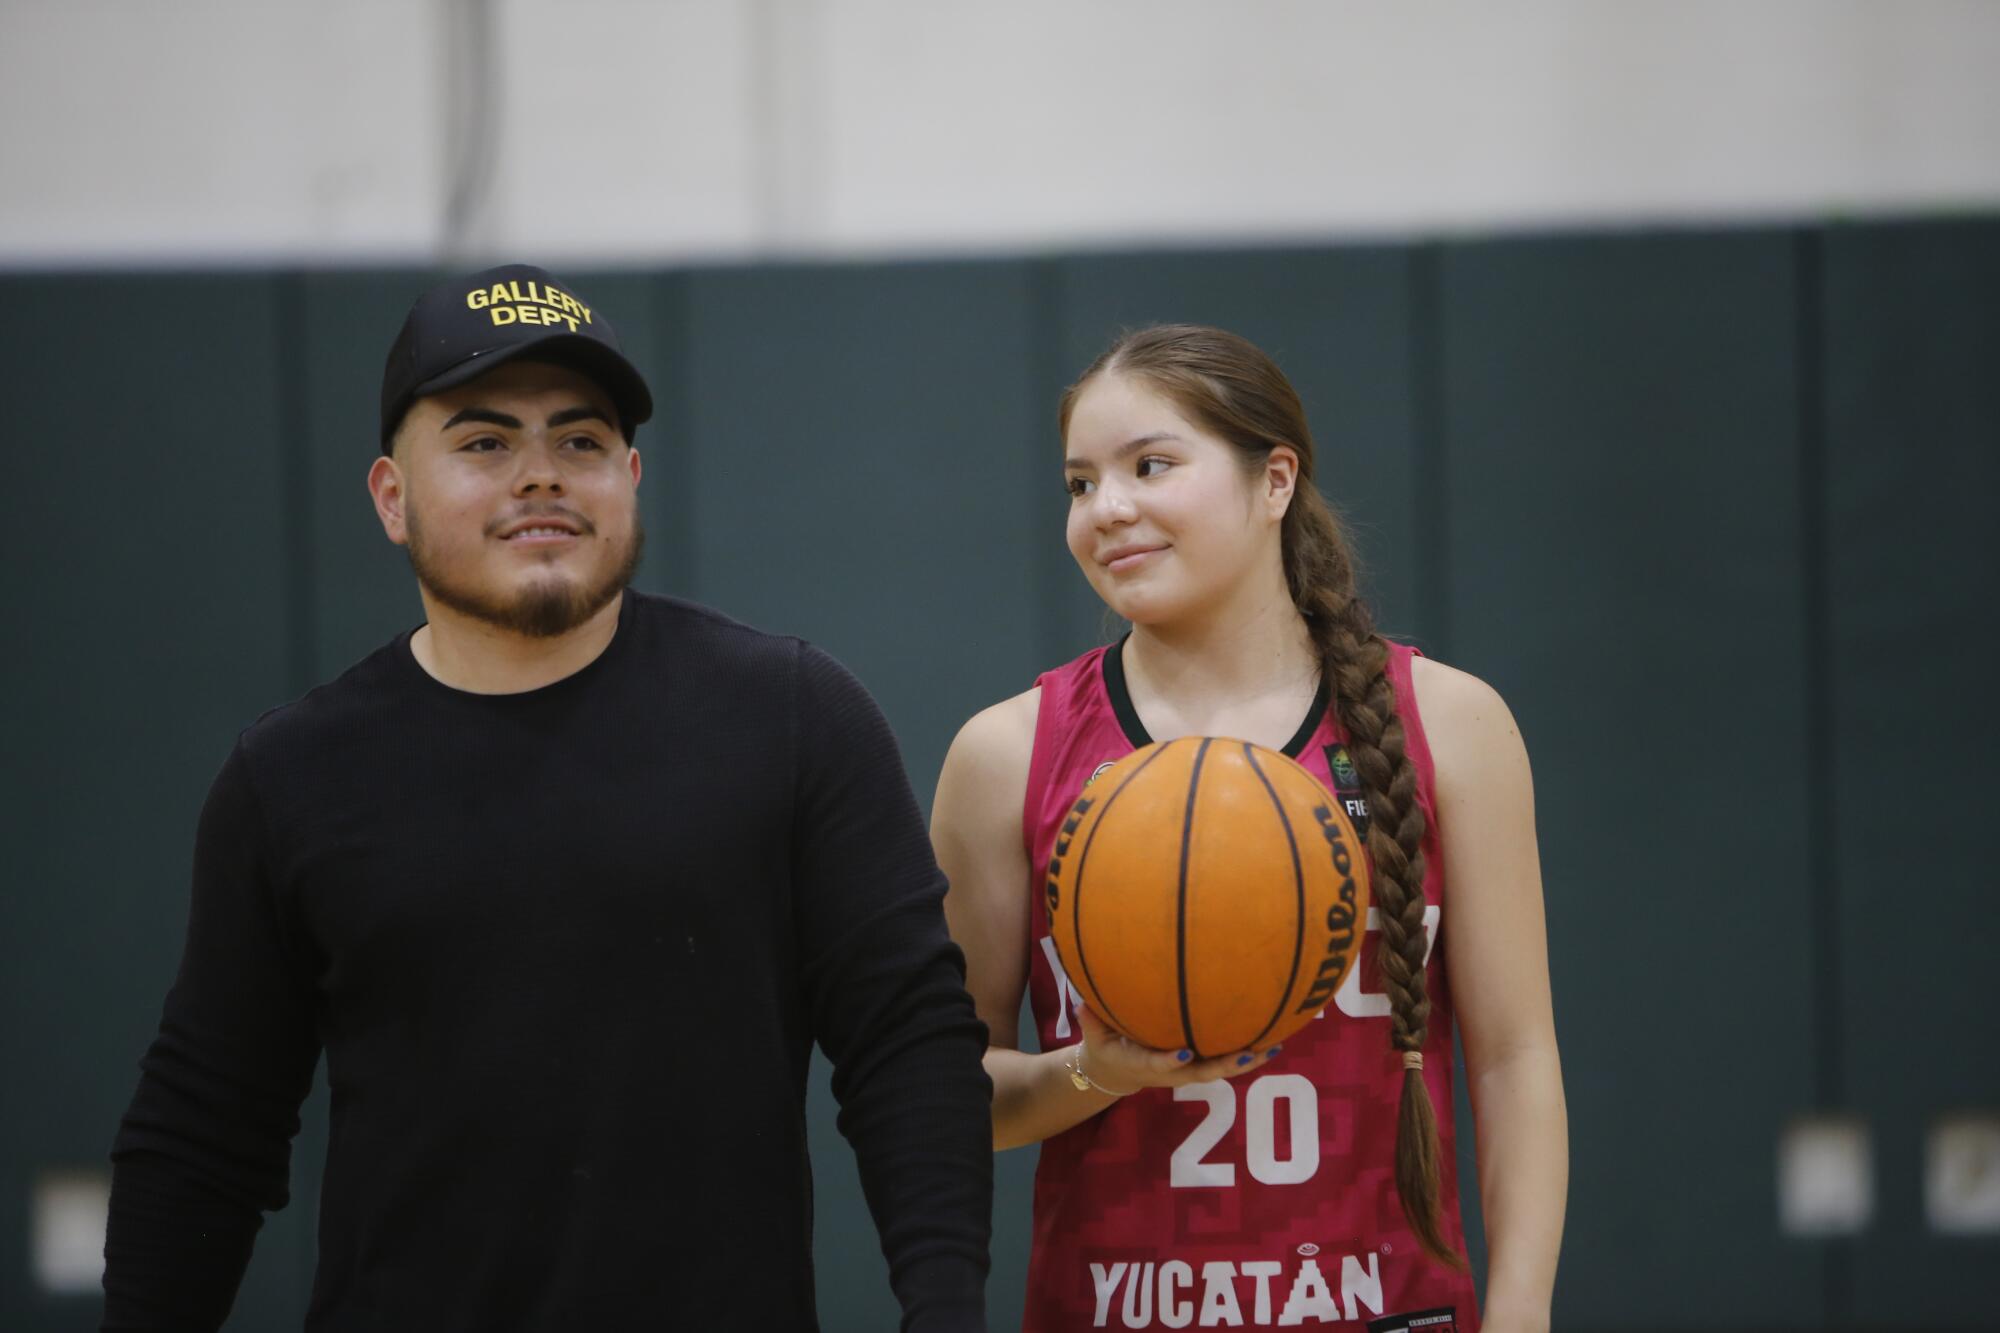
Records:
x=1120, y=1066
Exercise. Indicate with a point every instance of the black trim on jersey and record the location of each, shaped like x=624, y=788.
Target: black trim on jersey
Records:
x=1135, y=730
x=1121, y=697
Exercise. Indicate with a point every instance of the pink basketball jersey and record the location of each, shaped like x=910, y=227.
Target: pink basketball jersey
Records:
x=1262, y=1201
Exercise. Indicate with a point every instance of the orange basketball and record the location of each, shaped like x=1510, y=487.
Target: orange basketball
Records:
x=1207, y=894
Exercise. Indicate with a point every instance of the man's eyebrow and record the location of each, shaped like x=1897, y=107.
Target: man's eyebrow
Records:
x=1127, y=449
x=569, y=416
x=485, y=415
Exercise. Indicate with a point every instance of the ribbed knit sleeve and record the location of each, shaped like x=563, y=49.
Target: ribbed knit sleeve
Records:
x=886, y=987
x=205, y=1149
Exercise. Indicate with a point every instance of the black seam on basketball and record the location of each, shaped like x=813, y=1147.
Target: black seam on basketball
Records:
x=1299, y=879
x=1120, y=693
x=1322, y=700
x=1076, y=890
x=1180, y=915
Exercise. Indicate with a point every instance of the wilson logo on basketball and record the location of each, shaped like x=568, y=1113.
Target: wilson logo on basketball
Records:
x=1076, y=814
x=1340, y=917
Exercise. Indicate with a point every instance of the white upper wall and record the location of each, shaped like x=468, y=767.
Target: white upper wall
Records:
x=259, y=130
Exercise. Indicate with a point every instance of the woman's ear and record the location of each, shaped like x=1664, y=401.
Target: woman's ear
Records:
x=1281, y=480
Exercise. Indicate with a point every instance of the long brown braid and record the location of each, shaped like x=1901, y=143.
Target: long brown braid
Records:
x=1227, y=386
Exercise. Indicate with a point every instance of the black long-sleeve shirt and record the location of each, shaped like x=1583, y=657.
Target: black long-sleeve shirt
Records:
x=566, y=952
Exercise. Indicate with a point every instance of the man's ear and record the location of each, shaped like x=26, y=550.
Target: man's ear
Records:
x=385, y=487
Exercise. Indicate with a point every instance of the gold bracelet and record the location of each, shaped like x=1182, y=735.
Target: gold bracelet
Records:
x=1082, y=1081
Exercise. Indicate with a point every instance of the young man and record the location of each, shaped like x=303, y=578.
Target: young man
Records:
x=565, y=883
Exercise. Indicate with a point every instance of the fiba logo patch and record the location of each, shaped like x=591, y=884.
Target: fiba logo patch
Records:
x=1342, y=766
x=1347, y=786
x=1097, y=772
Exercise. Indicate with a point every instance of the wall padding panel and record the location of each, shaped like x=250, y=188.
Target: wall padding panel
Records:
x=1622, y=456
x=147, y=614
x=858, y=441
x=1912, y=328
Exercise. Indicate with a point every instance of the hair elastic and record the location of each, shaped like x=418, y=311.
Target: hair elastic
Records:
x=1413, y=1060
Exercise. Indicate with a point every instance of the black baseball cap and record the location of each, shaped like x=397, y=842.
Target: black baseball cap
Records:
x=462, y=328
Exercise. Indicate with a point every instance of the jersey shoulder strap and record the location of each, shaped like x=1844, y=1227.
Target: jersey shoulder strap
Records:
x=1071, y=695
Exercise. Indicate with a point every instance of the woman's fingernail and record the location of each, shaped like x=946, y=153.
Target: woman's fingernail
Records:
x=1273, y=1051
x=1242, y=1060
x=1183, y=1056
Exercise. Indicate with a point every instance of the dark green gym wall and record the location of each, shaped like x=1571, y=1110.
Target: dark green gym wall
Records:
x=1712, y=510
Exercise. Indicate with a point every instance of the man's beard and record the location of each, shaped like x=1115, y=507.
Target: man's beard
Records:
x=542, y=610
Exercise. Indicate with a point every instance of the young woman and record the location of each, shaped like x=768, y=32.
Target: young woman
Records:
x=1313, y=1183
